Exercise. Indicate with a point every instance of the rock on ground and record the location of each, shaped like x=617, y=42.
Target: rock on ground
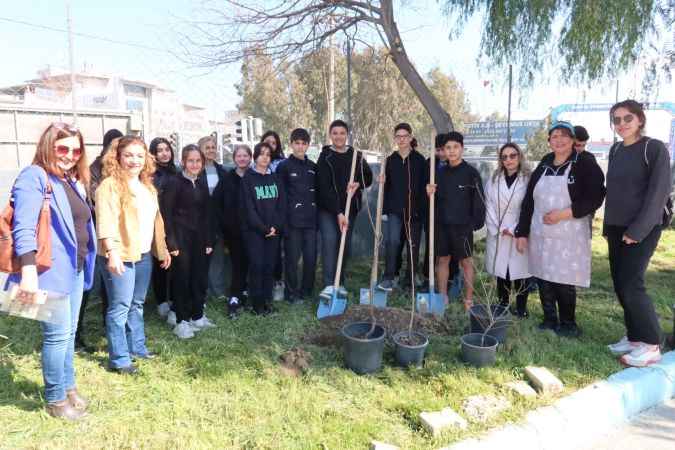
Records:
x=481, y=408
x=437, y=421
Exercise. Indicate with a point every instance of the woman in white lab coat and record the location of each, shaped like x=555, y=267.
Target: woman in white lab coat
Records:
x=504, y=194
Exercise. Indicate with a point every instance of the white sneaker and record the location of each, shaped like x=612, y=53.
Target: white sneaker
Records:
x=171, y=318
x=643, y=355
x=278, y=291
x=163, y=309
x=342, y=291
x=183, y=330
x=202, y=323
x=623, y=346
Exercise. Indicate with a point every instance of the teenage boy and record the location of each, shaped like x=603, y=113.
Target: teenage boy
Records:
x=333, y=170
x=404, y=185
x=298, y=174
x=460, y=212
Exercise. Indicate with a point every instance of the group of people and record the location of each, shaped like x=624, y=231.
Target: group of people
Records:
x=135, y=217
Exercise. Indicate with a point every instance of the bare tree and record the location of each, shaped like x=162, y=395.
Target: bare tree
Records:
x=286, y=30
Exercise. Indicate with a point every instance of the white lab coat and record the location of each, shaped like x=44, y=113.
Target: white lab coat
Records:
x=503, y=204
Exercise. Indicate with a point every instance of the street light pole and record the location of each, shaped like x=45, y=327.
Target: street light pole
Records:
x=73, y=89
x=349, y=89
x=508, y=117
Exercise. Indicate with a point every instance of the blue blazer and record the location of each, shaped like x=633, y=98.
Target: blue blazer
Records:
x=28, y=193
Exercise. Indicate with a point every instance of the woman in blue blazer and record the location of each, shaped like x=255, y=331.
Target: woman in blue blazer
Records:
x=59, y=162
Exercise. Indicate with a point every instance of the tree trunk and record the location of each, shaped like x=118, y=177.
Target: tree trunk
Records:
x=440, y=117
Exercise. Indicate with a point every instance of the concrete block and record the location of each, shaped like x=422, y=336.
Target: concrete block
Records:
x=543, y=380
x=438, y=421
x=377, y=445
x=521, y=388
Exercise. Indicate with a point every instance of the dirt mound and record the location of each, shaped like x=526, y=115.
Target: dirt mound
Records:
x=392, y=319
x=295, y=361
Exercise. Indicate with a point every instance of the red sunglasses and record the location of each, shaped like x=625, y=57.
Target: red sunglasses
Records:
x=63, y=150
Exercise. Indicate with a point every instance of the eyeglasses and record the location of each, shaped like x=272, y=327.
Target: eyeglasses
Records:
x=628, y=118
x=63, y=150
x=507, y=156
x=65, y=127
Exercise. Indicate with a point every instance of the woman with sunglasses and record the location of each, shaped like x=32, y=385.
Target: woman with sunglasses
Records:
x=60, y=173
x=129, y=226
x=638, y=186
x=504, y=193
x=554, y=226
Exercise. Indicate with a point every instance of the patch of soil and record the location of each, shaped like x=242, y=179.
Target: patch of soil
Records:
x=411, y=340
x=392, y=319
x=295, y=362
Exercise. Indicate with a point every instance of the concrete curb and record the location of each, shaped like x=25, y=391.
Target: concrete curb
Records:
x=586, y=415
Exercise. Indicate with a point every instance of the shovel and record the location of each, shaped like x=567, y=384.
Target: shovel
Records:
x=372, y=295
x=336, y=305
x=431, y=302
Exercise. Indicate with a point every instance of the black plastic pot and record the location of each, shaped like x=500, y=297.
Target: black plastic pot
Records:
x=410, y=355
x=481, y=320
x=479, y=350
x=363, y=355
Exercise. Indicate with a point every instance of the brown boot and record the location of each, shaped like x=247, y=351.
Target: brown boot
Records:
x=76, y=400
x=64, y=410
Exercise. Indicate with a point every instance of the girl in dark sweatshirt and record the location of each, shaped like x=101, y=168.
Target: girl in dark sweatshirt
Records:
x=262, y=221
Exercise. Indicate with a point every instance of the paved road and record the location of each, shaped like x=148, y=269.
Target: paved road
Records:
x=652, y=430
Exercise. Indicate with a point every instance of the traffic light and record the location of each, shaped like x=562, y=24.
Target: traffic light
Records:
x=241, y=130
x=227, y=138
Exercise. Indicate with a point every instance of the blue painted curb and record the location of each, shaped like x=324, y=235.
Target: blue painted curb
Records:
x=582, y=417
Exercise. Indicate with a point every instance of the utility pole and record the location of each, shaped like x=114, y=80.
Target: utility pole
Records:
x=508, y=117
x=73, y=89
x=349, y=90
x=331, y=76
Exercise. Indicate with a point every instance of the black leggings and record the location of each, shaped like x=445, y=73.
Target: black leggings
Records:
x=558, y=298
x=160, y=282
x=519, y=287
x=189, y=276
x=262, y=253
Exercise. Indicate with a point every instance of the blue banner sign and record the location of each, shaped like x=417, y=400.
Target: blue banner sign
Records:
x=495, y=133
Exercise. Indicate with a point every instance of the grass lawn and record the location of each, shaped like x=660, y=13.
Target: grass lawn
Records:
x=224, y=389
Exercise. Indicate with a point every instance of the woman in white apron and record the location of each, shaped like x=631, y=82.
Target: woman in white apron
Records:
x=504, y=192
x=554, y=226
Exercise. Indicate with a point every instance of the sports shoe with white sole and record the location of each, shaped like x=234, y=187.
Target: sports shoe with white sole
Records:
x=163, y=309
x=202, y=323
x=642, y=356
x=623, y=346
x=183, y=330
x=171, y=318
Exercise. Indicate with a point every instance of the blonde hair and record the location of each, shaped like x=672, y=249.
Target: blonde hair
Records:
x=113, y=169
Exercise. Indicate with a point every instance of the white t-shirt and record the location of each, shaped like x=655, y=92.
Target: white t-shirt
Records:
x=146, y=207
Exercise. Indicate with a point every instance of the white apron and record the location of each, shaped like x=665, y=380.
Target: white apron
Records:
x=502, y=207
x=560, y=253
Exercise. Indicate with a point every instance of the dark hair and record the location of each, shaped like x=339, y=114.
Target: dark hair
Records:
x=338, y=123
x=408, y=128
x=569, y=133
x=632, y=106
x=192, y=148
x=258, y=149
x=300, y=134
x=581, y=133
x=438, y=141
x=109, y=135
x=454, y=136
x=278, y=152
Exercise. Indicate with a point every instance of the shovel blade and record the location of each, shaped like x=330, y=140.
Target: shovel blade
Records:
x=380, y=300
x=430, y=303
x=333, y=307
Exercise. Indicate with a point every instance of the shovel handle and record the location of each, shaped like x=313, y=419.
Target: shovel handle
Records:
x=348, y=206
x=432, y=203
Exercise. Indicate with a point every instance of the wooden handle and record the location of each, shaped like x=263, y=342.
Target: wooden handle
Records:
x=338, y=271
x=432, y=180
x=378, y=225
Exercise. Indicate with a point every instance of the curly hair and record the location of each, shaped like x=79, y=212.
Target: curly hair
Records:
x=112, y=167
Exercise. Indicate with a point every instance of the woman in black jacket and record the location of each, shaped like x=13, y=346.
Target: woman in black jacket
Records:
x=562, y=194
x=165, y=168
x=638, y=186
x=262, y=222
x=189, y=235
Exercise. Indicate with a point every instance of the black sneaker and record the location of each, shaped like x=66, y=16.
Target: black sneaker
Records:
x=548, y=325
x=233, y=308
x=568, y=330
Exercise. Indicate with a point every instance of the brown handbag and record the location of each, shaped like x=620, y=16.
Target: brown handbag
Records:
x=9, y=262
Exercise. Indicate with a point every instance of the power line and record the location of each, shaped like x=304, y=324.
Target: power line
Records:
x=88, y=36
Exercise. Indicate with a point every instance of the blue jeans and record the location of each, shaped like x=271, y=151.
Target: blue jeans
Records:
x=58, y=348
x=330, y=245
x=124, y=324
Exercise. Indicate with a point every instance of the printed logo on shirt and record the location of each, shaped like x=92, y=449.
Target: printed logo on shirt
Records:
x=293, y=174
x=269, y=191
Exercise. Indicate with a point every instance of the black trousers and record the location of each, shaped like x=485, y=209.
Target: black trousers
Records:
x=557, y=298
x=238, y=263
x=160, y=282
x=189, y=275
x=85, y=299
x=262, y=253
x=519, y=287
x=628, y=264
x=299, y=242
x=396, y=238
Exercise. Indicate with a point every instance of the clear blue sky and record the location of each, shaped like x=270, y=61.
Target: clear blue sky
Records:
x=151, y=23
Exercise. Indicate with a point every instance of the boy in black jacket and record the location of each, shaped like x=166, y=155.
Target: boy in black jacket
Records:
x=460, y=211
x=403, y=205
x=333, y=169
x=298, y=174
x=263, y=219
